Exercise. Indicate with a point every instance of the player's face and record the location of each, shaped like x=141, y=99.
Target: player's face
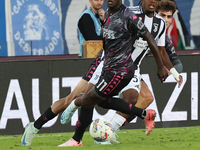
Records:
x=113, y=3
x=149, y=5
x=96, y=4
x=167, y=16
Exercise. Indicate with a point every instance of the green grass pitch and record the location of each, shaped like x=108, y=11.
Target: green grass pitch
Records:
x=182, y=138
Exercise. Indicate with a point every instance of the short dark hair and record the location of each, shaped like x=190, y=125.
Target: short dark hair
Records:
x=140, y=3
x=166, y=5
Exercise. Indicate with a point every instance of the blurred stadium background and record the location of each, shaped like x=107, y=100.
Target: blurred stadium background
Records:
x=48, y=27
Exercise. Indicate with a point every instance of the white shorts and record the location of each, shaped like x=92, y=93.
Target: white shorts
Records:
x=96, y=74
x=135, y=82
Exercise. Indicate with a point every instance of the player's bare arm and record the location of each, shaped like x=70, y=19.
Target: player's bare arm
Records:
x=169, y=66
x=162, y=72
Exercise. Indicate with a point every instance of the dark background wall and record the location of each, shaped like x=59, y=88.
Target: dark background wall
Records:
x=16, y=89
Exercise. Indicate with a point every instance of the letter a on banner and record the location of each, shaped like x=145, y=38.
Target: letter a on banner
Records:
x=21, y=113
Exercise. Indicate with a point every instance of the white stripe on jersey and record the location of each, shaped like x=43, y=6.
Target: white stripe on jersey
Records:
x=159, y=38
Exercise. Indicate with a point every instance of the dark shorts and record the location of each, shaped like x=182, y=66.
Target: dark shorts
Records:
x=88, y=75
x=111, y=84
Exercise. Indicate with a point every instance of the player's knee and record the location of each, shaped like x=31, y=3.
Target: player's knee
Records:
x=79, y=95
x=131, y=99
x=130, y=96
x=88, y=101
x=85, y=104
x=150, y=99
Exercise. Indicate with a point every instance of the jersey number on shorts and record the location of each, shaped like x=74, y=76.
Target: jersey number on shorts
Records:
x=102, y=84
x=135, y=79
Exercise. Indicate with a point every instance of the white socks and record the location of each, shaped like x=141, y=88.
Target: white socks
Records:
x=117, y=121
x=73, y=106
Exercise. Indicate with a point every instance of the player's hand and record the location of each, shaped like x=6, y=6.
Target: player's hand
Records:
x=180, y=81
x=162, y=74
x=168, y=71
x=177, y=76
x=101, y=13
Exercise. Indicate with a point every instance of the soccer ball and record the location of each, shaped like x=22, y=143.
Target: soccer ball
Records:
x=101, y=130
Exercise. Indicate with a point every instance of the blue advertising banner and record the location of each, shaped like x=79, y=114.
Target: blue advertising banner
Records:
x=36, y=27
x=3, y=43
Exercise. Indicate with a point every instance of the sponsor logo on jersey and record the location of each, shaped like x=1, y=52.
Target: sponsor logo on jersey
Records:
x=117, y=20
x=140, y=24
x=155, y=27
x=140, y=43
x=141, y=18
x=108, y=34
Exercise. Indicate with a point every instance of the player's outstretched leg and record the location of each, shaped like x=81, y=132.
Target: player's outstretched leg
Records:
x=29, y=134
x=71, y=142
x=149, y=120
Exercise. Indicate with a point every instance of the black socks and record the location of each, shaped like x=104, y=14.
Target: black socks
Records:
x=83, y=122
x=120, y=105
x=45, y=117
